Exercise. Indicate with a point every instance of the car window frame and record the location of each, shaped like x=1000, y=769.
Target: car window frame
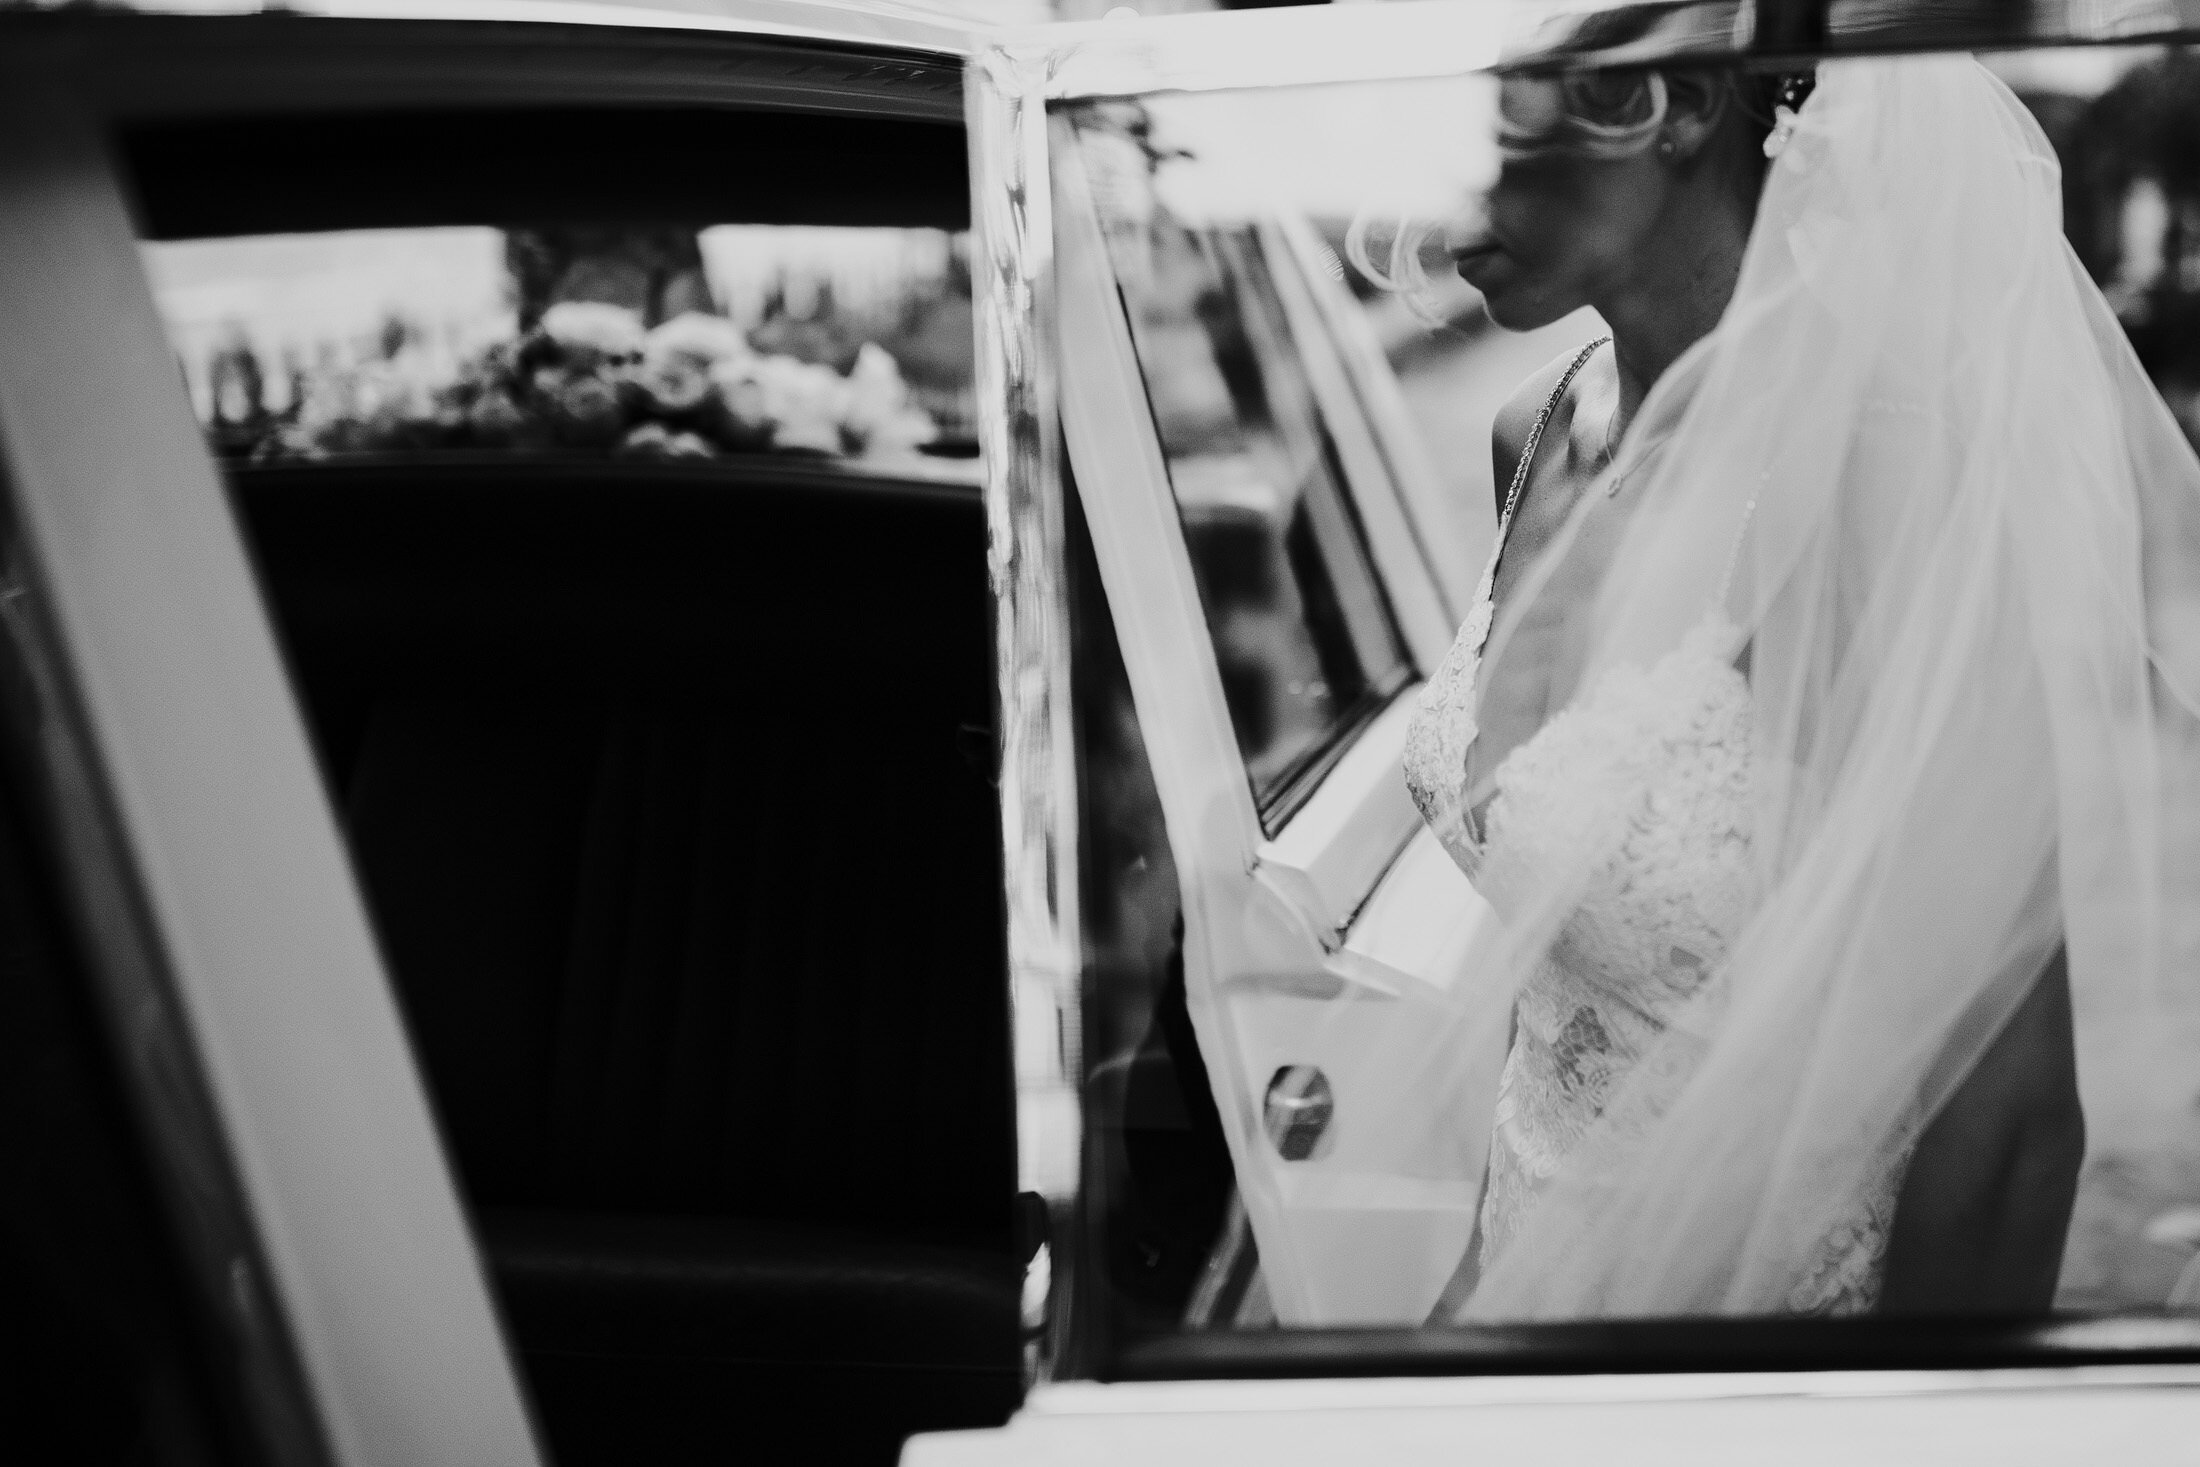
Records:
x=1262, y=913
x=1351, y=815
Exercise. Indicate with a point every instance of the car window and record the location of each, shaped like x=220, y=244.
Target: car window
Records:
x=847, y=344
x=1255, y=1176
x=608, y=477
x=1303, y=631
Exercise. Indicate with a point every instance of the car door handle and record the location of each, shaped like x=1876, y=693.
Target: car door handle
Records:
x=1298, y=1109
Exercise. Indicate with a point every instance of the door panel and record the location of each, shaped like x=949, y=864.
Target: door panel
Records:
x=1172, y=372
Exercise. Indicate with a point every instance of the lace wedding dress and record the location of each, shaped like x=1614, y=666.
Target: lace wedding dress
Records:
x=1652, y=766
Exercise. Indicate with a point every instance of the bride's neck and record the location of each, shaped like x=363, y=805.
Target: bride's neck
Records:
x=1676, y=296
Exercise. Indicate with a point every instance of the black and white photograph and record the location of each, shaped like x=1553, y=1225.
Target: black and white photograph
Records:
x=951, y=733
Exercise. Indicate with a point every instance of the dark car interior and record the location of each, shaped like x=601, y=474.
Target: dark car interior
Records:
x=121, y=1354
x=668, y=788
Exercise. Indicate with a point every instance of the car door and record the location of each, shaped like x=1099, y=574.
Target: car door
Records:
x=1273, y=572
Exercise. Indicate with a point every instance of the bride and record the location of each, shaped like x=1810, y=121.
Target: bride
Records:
x=1821, y=728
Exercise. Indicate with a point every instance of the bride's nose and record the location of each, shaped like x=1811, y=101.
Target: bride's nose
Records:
x=1467, y=225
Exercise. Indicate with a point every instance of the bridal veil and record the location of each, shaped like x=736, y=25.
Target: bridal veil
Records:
x=1958, y=534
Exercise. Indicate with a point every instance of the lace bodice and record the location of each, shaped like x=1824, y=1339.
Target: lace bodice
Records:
x=1654, y=769
x=1644, y=781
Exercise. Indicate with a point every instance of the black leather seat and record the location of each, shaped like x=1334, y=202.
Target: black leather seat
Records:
x=669, y=796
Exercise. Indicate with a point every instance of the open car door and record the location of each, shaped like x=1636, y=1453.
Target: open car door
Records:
x=1264, y=535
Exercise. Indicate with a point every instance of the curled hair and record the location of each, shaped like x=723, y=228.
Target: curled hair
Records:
x=1393, y=263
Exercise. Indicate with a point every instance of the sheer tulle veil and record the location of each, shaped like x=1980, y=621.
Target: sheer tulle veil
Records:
x=1959, y=534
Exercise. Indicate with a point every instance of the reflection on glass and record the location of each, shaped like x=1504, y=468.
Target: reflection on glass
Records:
x=1301, y=628
x=1193, y=192
x=1159, y=1179
x=647, y=343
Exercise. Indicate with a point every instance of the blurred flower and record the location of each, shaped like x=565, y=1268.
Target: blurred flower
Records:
x=738, y=411
x=584, y=412
x=495, y=420
x=698, y=340
x=674, y=389
x=588, y=332
x=587, y=378
x=880, y=420
x=807, y=404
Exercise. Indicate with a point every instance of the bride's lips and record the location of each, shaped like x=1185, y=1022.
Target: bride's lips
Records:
x=1470, y=258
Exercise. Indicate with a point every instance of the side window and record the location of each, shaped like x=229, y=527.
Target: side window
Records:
x=1307, y=643
x=618, y=515
x=849, y=345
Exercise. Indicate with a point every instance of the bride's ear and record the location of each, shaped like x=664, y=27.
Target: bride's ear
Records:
x=1696, y=103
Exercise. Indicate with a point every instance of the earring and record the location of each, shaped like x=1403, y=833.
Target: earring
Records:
x=1793, y=91
x=1783, y=128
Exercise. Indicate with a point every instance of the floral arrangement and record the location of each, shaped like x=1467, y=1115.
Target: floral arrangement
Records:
x=588, y=377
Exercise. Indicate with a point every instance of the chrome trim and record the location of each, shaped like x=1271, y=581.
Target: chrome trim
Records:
x=199, y=844
x=1019, y=433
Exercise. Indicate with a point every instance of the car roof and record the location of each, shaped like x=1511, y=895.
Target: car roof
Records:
x=940, y=30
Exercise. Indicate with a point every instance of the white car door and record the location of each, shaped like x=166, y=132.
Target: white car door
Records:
x=1266, y=557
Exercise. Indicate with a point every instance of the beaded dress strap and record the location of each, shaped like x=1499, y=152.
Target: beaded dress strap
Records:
x=1535, y=441
x=1475, y=632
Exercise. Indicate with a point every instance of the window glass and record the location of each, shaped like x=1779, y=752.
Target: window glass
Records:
x=1302, y=630
x=689, y=344
x=1339, y=1142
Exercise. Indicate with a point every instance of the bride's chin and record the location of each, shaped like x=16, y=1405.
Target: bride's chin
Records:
x=1508, y=311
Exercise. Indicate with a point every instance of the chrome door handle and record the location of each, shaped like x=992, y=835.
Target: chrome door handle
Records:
x=1298, y=1109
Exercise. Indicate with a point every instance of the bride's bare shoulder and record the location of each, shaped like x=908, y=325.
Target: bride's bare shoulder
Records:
x=1516, y=419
